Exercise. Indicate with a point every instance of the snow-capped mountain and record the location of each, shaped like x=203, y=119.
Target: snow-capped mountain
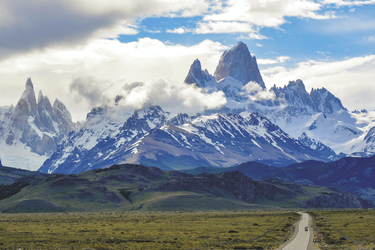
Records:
x=238, y=64
x=278, y=126
x=306, y=124
x=149, y=137
x=318, y=114
x=30, y=131
x=236, y=69
x=107, y=138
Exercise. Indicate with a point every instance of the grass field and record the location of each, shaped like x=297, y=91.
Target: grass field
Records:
x=195, y=230
x=346, y=229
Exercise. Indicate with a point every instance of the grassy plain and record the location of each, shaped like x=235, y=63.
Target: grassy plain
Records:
x=147, y=230
x=346, y=229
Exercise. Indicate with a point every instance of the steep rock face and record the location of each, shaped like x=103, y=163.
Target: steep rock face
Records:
x=300, y=102
x=38, y=125
x=33, y=128
x=240, y=65
x=325, y=102
x=199, y=77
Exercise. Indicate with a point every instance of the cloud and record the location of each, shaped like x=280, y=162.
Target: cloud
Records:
x=90, y=89
x=256, y=93
x=36, y=24
x=180, y=30
x=280, y=59
x=101, y=61
x=340, y=3
x=266, y=13
x=243, y=16
x=172, y=96
x=223, y=27
x=351, y=80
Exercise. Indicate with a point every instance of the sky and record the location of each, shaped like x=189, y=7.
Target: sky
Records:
x=85, y=54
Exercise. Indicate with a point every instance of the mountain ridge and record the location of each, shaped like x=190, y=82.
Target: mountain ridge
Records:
x=314, y=122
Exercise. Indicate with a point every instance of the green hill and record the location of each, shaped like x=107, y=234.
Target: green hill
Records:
x=131, y=187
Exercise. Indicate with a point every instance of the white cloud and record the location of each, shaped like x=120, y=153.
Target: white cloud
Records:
x=255, y=92
x=223, y=27
x=181, y=30
x=371, y=39
x=351, y=80
x=280, y=59
x=340, y=3
x=270, y=13
x=172, y=96
x=102, y=66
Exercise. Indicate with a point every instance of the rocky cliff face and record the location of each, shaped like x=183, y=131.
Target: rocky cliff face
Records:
x=240, y=65
x=199, y=77
x=300, y=102
x=38, y=125
x=34, y=126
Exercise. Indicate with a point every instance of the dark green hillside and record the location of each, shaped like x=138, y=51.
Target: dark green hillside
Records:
x=130, y=187
x=10, y=175
x=252, y=169
x=351, y=174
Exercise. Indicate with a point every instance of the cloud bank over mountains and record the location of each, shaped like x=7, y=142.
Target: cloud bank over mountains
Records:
x=84, y=53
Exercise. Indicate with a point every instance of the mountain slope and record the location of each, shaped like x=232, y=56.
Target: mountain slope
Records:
x=317, y=114
x=107, y=138
x=352, y=174
x=136, y=187
x=151, y=138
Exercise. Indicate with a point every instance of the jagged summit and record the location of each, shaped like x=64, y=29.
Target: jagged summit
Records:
x=29, y=84
x=195, y=74
x=199, y=77
x=319, y=100
x=34, y=127
x=240, y=65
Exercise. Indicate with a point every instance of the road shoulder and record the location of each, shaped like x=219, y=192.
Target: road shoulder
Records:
x=294, y=233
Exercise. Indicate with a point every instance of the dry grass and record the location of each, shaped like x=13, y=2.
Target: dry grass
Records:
x=346, y=229
x=196, y=230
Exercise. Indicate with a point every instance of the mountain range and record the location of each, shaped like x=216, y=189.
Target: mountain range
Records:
x=278, y=127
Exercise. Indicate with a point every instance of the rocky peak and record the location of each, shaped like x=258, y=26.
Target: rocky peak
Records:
x=36, y=124
x=29, y=84
x=240, y=65
x=27, y=102
x=197, y=76
x=146, y=119
x=319, y=100
x=294, y=93
x=325, y=101
x=195, y=73
x=44, y=103
x=61, y=109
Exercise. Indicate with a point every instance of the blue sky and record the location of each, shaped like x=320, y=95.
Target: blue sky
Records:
x=84, y=54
